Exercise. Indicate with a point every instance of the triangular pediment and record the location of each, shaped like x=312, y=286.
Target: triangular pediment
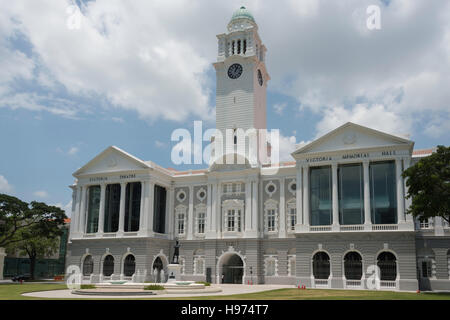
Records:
x=351, y=136
x=112, y=159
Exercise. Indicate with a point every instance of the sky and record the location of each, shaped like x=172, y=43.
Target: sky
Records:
x=79, y=76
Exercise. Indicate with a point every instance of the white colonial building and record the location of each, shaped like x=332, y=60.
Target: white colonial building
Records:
x=321, y=220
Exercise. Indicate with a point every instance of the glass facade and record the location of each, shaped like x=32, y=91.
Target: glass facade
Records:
x=351, y=194
x=93, y=209
x=320, y=196
x=112, y=208
x=132, y=206
x=383, y=194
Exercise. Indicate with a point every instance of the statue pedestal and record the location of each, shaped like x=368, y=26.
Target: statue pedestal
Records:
x=174, y=272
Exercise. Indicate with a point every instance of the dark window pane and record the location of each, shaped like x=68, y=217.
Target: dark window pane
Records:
x=353, y=266
x=88, y=266
x=129, y=266
x=321, y=265
x=108, y=266
x=320, y=196
x=351, y=194
x=388, y=266
x=112, y=207
x=93, y=209
x=159, y=215
x=132, y=206
x=383, y=197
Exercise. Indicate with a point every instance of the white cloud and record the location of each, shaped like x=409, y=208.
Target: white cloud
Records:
x=5, y=187
x=153, y=57
x=67, y=207
x=287, y=145
x=159, y=144
x=129, y=53
x=73, y=150
x=375, y=116
x=279, y=107
x=41, y=194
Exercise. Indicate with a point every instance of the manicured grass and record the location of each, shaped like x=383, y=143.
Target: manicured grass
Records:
x=320, y=294
x=14, y=291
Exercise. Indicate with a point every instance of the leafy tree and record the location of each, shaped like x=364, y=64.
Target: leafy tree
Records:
x=32, y=229
x=428, y=183
x=35, y=247
x=17, y=216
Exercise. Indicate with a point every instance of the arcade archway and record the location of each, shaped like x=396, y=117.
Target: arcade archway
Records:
x=231, y=269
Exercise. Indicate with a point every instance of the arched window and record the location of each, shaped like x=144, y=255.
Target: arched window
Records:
x=387, y=263
x=108, y=266
x=88, y=266
x=129, y=265
x=321, y=265
x=353, y=266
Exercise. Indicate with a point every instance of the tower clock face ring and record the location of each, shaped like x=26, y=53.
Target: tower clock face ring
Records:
x=260, y=78
x=235, y=71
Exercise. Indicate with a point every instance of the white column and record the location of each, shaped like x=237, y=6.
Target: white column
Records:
x=150, y=206
x=400, y=195
x=367, y=215
x=76, y=214
x=334, y=197
x=212, y=203
x=142, y=212
x=123, y=188
x=219, y=211
x=82, y=221
x=255, y=193
x=408, y=202
x=171, y=212
x=282, y=221
x=101, y=211
x=298, y=197
x=208, y=209
x=190, y=217
x=306, y=195
x=248, y=206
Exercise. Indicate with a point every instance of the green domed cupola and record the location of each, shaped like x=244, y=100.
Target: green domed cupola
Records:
x=242, y=13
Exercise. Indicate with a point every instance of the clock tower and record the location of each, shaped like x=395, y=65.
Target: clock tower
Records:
x=241, y=76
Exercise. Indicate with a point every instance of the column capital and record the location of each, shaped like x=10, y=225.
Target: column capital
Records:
x=366, y=162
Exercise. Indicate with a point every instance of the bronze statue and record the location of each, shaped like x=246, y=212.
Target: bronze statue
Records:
x=176, y=253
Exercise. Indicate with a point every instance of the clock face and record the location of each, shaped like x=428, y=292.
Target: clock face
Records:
x=260, y=78
x=235, y=71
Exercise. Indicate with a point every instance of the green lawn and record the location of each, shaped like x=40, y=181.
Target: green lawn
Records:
x=14, y=291
x=321, y=294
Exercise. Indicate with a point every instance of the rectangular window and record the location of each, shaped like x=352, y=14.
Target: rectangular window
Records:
x=159, y=214
x=383, y=194
x=93, y=209
x=351, y=194
x=320, y=196
x=132, y=206
x=231, y=220
x=201, y=222
x=271, y=220
x=112, y=208
x=180, y=223
x=292, y=218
